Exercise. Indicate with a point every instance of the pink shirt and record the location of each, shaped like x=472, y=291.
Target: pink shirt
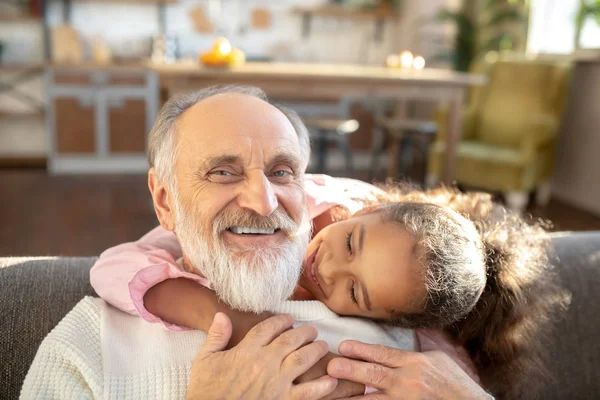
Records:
x=124, y=273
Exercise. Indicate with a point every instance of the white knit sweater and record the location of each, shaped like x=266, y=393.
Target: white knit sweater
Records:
x=98, y=352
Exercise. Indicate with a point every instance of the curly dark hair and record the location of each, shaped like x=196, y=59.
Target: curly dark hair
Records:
x=490, y=283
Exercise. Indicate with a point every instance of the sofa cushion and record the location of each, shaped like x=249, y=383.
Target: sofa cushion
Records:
x=574, y=349
x=35, y=294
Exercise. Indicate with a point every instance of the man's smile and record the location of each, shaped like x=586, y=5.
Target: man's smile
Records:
x=253, y=238
x=242, y=230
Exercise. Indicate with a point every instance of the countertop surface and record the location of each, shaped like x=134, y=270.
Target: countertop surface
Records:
x=319, y=71
x=273, y=70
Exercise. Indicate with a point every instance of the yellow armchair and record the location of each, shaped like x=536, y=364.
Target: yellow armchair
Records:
x=509, y=134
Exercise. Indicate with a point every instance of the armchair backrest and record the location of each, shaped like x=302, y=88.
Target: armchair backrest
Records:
x=517, y=92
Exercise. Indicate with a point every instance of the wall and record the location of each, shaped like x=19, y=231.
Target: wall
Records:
x=131, y=27
x=128, y=29
x=577, y=171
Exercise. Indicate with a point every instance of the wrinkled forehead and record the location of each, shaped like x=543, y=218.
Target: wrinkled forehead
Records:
x=234, y=123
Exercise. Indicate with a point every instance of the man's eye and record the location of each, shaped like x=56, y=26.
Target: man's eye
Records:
x=222, y=173
x=281, y=173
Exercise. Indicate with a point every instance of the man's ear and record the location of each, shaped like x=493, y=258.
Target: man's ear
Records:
x=163, y=201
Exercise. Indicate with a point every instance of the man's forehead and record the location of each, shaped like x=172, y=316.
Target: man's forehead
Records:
x=234, y=116
x=237, y=125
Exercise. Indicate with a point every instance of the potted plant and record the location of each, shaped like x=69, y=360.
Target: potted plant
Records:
x=587, y=9
x=483, y=26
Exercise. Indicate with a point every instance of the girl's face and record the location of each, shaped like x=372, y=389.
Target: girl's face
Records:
x=364, y=266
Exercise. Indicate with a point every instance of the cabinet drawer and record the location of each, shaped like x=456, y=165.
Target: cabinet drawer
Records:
x=127, y=80
x=127, y=125
x=73, y=79
x=75, y=125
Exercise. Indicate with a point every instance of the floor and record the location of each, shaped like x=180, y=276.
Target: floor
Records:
x=83, y=215
x=70, y=215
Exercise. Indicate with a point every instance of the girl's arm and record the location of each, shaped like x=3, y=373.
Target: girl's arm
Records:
x=124, y=273
x=185, y=303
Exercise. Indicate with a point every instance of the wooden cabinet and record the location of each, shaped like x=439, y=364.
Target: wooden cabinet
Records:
x=127, y=125
x=75, y=124
x=99, y=119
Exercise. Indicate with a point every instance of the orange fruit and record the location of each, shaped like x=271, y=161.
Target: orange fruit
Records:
x=236, y=58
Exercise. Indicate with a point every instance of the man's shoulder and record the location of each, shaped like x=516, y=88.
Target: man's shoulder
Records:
x=88, y=309
x=79, y=330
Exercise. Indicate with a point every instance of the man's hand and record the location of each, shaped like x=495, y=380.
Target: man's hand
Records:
x=263, y=365
x=344, y=388
x=400, y=374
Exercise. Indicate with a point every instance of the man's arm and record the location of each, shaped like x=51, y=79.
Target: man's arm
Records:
x=53, y=375
x=66, y=365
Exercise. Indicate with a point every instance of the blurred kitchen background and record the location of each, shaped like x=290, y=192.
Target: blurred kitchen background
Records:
x=494, y=95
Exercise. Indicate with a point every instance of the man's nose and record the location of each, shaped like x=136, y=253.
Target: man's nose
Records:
x=259, y=196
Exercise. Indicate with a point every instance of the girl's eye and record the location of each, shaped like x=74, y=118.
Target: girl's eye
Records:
x=349, y=242
x=352, y=294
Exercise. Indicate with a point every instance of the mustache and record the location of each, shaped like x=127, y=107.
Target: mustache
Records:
x=278, y=219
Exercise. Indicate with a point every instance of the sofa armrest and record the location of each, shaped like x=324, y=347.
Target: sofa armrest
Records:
x=442, y=118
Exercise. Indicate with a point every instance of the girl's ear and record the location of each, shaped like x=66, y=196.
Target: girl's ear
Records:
x=365, y=210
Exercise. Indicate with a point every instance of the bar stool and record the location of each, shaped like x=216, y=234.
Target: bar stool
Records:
x=328, y=124
x=326, y=131
x=406, y=134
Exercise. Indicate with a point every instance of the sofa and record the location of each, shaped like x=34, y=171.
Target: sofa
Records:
x=35, y=294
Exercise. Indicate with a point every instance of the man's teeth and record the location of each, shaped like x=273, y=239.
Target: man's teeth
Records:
x=255, y=231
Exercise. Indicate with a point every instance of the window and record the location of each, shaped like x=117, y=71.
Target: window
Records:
x=552, y=27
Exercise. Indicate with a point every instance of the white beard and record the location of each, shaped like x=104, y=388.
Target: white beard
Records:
x=254, y=280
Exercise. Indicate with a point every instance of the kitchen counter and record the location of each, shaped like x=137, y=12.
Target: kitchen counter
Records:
x=288, y=82
x=338, y=72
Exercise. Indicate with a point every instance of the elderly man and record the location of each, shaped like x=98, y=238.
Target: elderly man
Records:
x=225, y=157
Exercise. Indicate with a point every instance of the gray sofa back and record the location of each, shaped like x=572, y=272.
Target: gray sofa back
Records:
x=36, y=293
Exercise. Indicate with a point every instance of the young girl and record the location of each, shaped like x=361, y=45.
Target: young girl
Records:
x=440, y=259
